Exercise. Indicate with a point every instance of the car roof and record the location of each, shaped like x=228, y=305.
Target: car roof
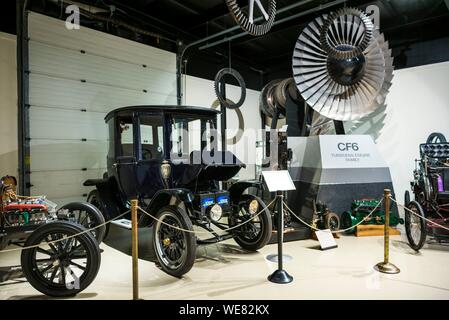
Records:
x=165, y=108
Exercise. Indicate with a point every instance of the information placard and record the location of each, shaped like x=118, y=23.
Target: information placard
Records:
x=326, y=239
x=279, y=180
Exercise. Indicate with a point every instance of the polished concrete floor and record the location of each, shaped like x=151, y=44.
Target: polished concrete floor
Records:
x=224, y=271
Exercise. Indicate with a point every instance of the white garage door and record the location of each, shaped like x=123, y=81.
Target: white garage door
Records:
x=76, y=77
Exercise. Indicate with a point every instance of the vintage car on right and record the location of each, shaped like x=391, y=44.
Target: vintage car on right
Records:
x=430, y=188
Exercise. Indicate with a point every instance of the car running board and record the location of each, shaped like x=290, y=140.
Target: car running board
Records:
x=123, y=223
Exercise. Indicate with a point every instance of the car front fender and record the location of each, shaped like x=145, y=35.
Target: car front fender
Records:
x=163, y=198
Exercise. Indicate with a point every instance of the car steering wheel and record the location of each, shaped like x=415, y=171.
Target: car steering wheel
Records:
x=145, y=153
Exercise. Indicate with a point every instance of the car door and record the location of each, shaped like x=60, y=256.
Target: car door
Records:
x=150, y=151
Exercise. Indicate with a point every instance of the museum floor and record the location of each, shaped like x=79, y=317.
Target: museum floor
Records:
x=223, y=271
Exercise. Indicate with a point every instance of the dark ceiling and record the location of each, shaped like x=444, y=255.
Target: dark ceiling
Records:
x=416, y=29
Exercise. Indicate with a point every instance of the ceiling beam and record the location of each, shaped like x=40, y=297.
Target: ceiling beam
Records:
x=215, y=13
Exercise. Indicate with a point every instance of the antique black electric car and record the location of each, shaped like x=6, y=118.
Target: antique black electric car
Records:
x=167, y=158
x=60, y=258
x=430, y=188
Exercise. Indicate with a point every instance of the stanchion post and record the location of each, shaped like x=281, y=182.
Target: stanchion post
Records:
x=386, y=266
x=280, y=275
x=135, y=249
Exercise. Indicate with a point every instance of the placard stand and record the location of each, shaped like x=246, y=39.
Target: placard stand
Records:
x=279, y=181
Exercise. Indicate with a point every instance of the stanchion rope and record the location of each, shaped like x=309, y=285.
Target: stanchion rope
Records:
x=418, y=215
x=65, y=237
x=336, y=231
x=207, y=232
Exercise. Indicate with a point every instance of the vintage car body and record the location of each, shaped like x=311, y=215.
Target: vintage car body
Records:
x=430, y=188
x=167, y=158
x=60, y=269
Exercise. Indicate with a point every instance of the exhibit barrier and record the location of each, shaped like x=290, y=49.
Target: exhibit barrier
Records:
x=69, y=237
x=432, y=223
x=334, y=231
x=207, y=232
x=385, y=266
x=135, y=248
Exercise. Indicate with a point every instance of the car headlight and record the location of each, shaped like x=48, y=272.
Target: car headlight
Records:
x=216, y=212
x=253, y=206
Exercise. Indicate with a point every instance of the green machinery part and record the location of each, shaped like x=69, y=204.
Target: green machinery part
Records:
x=360, y=209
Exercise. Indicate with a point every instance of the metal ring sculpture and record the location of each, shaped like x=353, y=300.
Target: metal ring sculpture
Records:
x=342, y=89
x=239, y=134
x=242, y=85
x=247, y=22
x=346, y=33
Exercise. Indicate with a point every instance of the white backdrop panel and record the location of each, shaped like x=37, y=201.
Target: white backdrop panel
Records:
x=76, y=78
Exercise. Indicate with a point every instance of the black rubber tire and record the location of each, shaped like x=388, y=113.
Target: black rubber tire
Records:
x=95, y=216
x=345, y=220
x=266, y=226
x=406, y=198
x=415, y=245
x=184, y=222
x=436, y=137
x=331, y=221
x=94, y=199
x=36, y=279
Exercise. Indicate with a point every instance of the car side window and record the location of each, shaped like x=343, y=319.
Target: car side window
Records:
x=151, y=137
x=126, y=138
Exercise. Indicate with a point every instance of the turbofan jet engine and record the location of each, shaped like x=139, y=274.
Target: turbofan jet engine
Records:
x=342, y=68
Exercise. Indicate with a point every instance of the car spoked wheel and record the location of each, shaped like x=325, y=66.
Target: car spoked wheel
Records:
x=94, y=199
x=256, y=233
x=332, y=221
x=175, y=249
x=64, y=268
x=85, y=214
x=415, y=227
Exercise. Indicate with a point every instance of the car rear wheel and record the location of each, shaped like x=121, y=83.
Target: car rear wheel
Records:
x=415, y=227
x=61, y=269
x=85, y=214
x=256, y=233
x=175, y=249
x=94, y=199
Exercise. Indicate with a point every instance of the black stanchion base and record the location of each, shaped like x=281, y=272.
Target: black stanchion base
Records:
x=280, y=276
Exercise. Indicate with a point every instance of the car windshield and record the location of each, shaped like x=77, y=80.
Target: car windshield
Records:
x=191, y=134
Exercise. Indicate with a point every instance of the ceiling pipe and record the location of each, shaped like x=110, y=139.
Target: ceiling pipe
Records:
x=226, y=31
x=182, y=49
x=277, y=22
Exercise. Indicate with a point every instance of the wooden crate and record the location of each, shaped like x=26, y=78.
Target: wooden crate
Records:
x=368, y=230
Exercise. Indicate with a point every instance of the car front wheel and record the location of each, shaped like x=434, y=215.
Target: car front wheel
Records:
x=175, y=249
x=63, y=268
x=415, y=227
x=257, y=230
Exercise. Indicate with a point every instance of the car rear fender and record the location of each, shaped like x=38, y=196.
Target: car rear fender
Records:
x=238, y=188
x=109, y=194
x=178, y=197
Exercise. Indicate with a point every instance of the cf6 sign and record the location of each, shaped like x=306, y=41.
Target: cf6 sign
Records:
x=348, y=146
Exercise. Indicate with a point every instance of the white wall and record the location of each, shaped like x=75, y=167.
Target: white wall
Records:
x=8, y=105
x=76, y=78
x=417, y=105
x=200, y=92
